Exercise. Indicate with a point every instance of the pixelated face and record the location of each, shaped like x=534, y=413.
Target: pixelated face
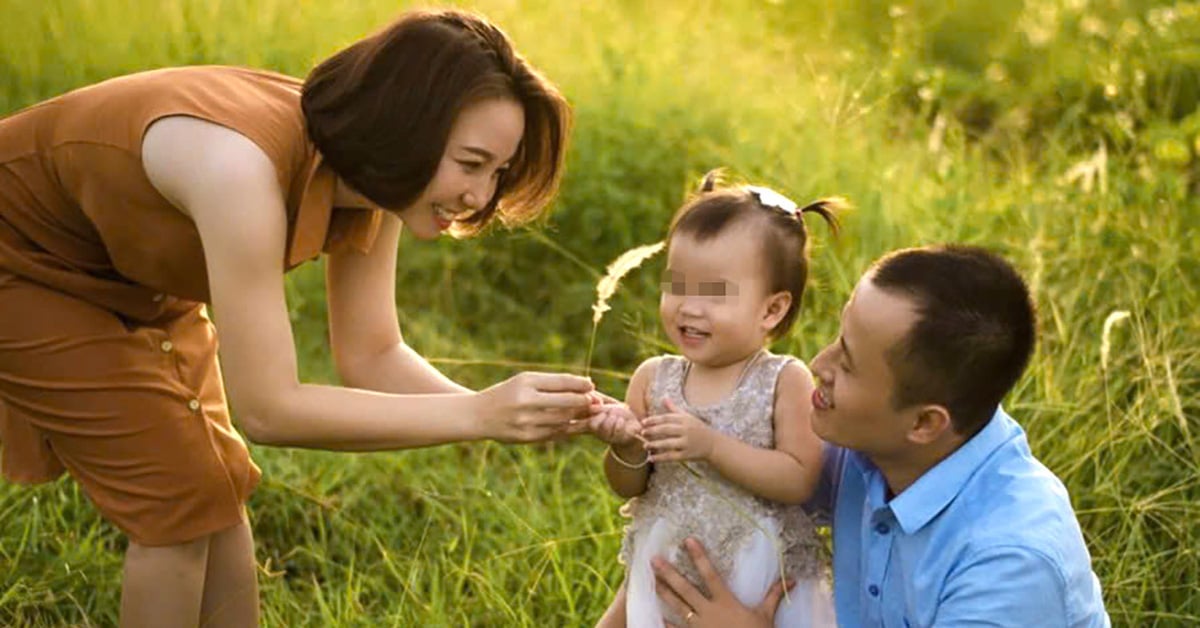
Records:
x=482, y=143
x=855, y=383
x=715, y=306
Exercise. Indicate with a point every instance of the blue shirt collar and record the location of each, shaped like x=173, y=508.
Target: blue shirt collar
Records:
x=937, y=487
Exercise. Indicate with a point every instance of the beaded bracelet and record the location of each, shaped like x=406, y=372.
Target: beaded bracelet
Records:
x=612, y=452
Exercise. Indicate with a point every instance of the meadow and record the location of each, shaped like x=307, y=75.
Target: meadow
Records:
x=1064, y=134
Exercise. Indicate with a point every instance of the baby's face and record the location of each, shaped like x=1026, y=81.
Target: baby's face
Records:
x=714, y=304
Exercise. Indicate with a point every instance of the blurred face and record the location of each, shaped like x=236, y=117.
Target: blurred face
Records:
x=852, y=403
x=482, y=143
x=715, y=307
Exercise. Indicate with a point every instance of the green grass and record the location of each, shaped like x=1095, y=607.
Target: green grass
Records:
x=940, y=124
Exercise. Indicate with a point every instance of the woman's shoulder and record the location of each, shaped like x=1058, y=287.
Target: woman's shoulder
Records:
x=261, y=105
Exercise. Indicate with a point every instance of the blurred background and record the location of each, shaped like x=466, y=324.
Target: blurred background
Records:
x=1063, y=134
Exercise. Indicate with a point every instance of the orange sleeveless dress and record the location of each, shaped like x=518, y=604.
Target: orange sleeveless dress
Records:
x=108, y=363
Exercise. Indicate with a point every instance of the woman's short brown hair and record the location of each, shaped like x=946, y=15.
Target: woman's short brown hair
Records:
x=380, y=111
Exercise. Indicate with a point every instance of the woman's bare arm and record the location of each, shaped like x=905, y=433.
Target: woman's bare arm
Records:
x=368, y=347
x=229, y=188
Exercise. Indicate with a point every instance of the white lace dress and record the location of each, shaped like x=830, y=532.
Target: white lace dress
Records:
x=745, y=535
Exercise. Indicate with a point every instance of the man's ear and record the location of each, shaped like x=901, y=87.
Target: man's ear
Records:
x=932, y=423
x=776, y=308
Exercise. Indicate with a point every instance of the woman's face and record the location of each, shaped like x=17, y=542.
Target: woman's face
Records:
x=482, y=143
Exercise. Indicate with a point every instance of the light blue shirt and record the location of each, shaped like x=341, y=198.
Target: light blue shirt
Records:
x=987, y=537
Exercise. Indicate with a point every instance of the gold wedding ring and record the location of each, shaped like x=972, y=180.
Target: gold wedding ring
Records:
x=687, y=619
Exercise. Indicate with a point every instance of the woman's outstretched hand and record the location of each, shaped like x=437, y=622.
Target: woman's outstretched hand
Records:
x=532, y=407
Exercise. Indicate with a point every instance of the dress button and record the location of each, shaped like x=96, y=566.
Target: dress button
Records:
x=882, y=528
x=166, y=346
x=873, y=590
x=194, y=405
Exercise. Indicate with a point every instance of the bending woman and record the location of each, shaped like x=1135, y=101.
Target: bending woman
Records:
x=127, y=205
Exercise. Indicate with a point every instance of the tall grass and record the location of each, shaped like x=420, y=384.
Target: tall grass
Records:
x=941, y=122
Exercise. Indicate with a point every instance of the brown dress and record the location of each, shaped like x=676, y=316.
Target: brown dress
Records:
x=108, y=363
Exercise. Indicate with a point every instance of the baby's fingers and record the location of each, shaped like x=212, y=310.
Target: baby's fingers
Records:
x=660, y=431
x=596, y=421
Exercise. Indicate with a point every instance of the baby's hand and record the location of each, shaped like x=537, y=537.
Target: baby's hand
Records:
x=597, y=400
x=615, y=424
x=677, y=436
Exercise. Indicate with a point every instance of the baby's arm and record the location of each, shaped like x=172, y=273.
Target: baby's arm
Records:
x=788, y=473
x=624, y=480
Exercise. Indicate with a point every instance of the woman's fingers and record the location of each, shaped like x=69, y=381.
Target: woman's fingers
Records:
x=559, y=382
x=563, y=400
x=605, y=399
x=574, y=428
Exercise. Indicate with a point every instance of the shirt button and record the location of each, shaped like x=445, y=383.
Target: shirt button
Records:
x=882, y=528
x=873, y=590
x=194, y=405
x=166, y=346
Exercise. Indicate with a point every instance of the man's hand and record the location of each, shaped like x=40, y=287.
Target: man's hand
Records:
x=722, y=610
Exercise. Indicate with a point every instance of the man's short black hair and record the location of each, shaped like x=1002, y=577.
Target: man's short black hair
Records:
x=974, y=332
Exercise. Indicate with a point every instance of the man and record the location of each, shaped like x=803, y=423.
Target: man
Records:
x=940, y=513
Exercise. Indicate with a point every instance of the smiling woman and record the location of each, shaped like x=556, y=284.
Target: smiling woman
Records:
x=434, y=123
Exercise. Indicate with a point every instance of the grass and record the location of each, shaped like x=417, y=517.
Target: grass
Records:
x=941, y=122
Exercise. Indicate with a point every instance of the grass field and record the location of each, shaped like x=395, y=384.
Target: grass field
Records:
x=1063, y=134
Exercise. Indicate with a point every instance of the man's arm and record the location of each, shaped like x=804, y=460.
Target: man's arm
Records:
x=1004, y=586
x=820, y=505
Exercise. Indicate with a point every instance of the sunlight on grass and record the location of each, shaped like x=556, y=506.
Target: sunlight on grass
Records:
x=1063, y=135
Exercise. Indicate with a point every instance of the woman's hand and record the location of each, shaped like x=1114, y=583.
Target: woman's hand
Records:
x=677, y=436
x=615, y=424
x=532, y=407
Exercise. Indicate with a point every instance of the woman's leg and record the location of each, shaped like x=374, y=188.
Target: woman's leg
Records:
x=614, y=616
x=231, y=582
x=163, y=585
x=137, y=415
x=211, y=581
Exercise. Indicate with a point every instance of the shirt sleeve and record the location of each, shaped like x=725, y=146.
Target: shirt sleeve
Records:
x=820, y=505
x=1004, y=586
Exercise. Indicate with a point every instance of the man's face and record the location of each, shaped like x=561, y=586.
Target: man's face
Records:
x=852, y=402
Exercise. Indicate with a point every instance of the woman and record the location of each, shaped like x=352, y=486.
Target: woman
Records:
x=126, y=205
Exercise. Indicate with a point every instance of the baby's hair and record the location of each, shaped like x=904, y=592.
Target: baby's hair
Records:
x=717, y=206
